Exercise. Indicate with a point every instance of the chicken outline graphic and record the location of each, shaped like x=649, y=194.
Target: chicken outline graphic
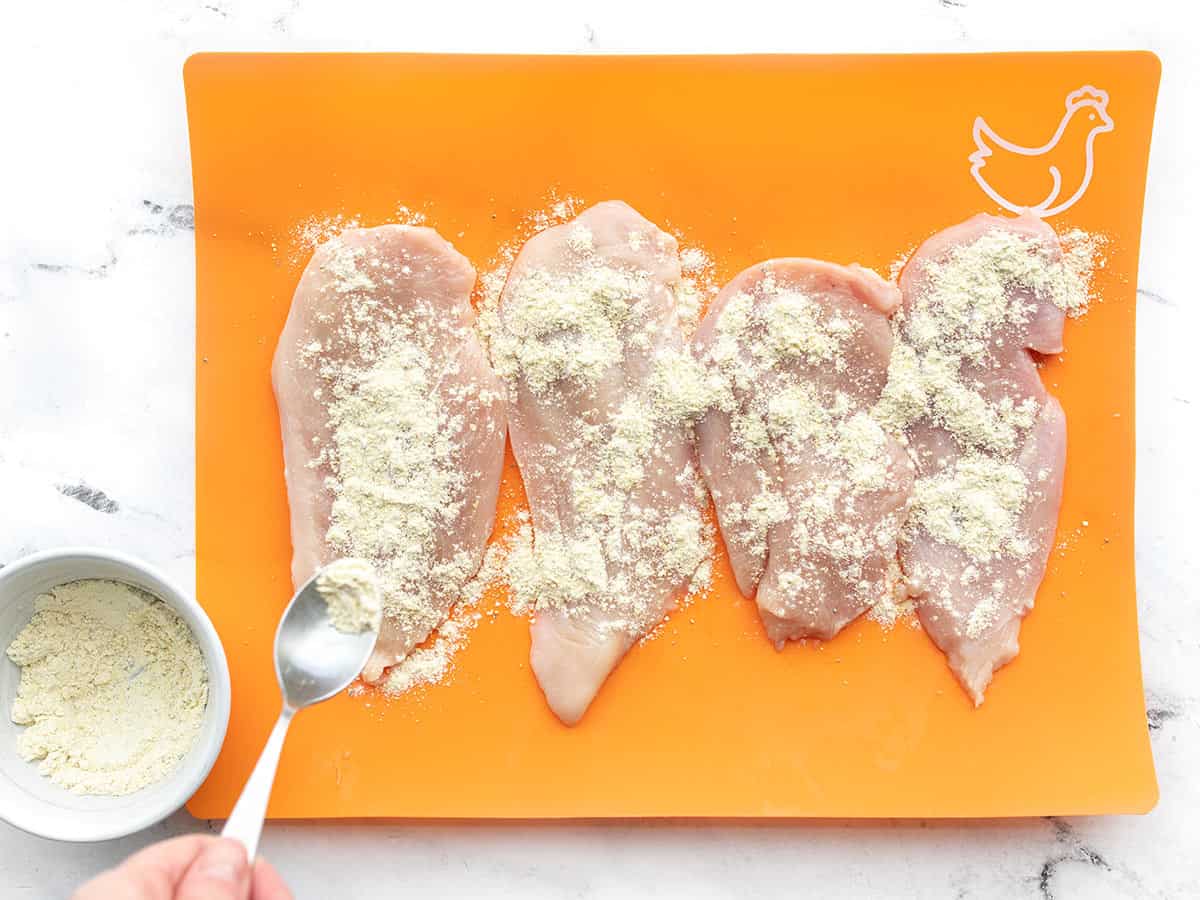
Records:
x=1087, y=100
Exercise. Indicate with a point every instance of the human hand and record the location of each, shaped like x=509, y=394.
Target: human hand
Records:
x=197, y=867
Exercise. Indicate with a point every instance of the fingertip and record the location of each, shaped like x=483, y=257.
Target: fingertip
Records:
x=220, y=872
x=268, y=884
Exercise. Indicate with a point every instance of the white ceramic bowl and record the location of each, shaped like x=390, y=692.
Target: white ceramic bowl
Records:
x=32, y=802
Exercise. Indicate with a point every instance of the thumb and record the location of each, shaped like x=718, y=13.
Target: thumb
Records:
x=220, y=872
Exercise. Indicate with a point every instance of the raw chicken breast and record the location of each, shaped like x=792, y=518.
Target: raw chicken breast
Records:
x=590, y=347
x=393, y=424
x=989, y=443
x=810, y=491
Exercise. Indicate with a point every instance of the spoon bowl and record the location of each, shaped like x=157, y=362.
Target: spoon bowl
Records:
x=313, y=660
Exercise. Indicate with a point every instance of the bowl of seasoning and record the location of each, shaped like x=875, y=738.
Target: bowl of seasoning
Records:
x=114, y=695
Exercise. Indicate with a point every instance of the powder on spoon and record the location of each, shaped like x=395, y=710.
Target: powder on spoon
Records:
x=351, y=592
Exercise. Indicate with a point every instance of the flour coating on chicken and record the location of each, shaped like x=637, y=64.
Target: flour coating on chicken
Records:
x=811, y=491
x=988, y=440
x=601, y=394
x=393, y=424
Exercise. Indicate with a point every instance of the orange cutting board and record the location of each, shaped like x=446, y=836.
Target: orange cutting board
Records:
x=846, y=158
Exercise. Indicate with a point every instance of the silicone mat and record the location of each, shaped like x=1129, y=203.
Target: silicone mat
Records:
x=846, y=158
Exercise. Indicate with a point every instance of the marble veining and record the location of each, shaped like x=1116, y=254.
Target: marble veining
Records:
x=96, y=426
x=1072, y=849
x=90, y=496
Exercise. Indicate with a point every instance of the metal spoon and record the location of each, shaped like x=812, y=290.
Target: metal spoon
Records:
x=313, y=662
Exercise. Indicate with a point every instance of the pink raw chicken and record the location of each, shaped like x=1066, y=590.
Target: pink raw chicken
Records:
x=587, y=313
x=972, y=608
x=811, y=528
x=362, y=278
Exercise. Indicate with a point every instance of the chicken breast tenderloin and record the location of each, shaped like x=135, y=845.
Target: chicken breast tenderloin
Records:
x=393, y=424
x=810, y=491
x=988, y=441
x=601, y=389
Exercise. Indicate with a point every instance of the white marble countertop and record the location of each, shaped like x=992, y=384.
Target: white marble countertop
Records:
x=96, y=425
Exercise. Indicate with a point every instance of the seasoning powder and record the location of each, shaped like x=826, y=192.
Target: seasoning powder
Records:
x=113, y=688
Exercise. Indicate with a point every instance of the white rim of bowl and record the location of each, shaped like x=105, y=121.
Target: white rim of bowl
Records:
x=218, y=671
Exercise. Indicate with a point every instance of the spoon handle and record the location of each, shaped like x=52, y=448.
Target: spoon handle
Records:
x=245, y=823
